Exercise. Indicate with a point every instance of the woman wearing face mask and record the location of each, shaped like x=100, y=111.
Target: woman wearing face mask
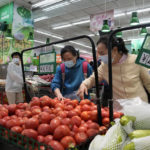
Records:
x=67, y=80
x=128, y=78
x=14, y=80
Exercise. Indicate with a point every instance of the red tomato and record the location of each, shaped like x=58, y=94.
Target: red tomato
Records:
x=76, y=102
x=92, y=132
x=66, y=121
x=77, y=110
x=45, y=101
x=102, y=129
x=36, y=111
x=59, y=105
x=105, y=113
x=53, y=102
x=56, y=110
x=45, y=108
x=68, y=107
x=106, y=108
x=93, y=125
x=3, y=122
x=27, y=113
x=85, y=107
x=44, y=117
x=62, y=114
x=105, y=121
x=35, y=102
x=75, y=129
x=76, y=120
x=116, y=115
x=85, y=115
x=3, y=113
x=121, y=114
x=18, y=111
x=48, y=111
x=93, y=115
x=68, y=142
x=85, y=101
x=61, y=131
x=12, y=122
x=94, y=107
x=32, y=123
x=17, y=129
x=12, y=108
x=56, y=145
x=52, y=116
x=48, y=138
x=22, y=105
x=30, y=133
x=54, y=124
x=80, y=137
x=7, y=118
x=43, y=129
x=72, y=113
x=40, y=139
x=82, y=129
x=14, y=117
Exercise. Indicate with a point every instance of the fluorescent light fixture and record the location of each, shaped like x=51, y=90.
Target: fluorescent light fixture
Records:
x=56, y=6
x=41, y=18
x=81, y=22
x=49, y=34
x=80, y=44
x=119, y=15
x=70, y=24
x=37, y=41
x=45, y=3
x=63, y=26
x=59, y=45
x=91, y=35
x=143, y=10
x=74, y=1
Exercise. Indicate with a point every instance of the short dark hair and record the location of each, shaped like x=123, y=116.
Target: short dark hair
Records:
x=116, y=42
x=16, y=54
x=71, y=49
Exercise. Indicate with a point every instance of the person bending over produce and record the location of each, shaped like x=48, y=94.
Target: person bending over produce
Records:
x=70, y=74
x=128, y=78
x=14, y=80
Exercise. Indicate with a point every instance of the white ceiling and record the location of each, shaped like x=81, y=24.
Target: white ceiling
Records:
x=80, y=11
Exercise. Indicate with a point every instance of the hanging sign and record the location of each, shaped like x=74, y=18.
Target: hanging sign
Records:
x=143, y=57
x=96, y=21
x=47, y=63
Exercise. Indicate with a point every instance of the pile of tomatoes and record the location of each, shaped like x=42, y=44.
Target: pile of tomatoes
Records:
x=59, y=124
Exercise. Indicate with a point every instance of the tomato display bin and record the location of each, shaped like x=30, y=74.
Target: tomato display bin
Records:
x=16, y=141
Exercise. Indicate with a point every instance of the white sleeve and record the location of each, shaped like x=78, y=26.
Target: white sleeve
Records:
x=14, y=75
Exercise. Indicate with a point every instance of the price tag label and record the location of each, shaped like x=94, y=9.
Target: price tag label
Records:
x=33, y=68
x=47, y=68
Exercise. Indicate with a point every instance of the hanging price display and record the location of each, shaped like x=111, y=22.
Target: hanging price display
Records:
x=143, y=57
x=47, y=63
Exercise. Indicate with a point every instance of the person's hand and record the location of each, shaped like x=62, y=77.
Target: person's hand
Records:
x=83, y=89
x=60, y=97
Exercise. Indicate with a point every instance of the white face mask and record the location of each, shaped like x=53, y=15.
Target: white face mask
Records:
x=69, y=64
x=104, y=59
x=15, y=60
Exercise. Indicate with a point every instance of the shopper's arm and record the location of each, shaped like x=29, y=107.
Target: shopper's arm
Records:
x=14, y=75
x=58, y=94
x=145, y=76
x=89, y=82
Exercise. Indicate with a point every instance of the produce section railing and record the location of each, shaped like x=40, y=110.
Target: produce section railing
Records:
x=95, y=67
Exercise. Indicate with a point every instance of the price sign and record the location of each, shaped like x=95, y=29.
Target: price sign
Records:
x=47, y=63
x=143, y=57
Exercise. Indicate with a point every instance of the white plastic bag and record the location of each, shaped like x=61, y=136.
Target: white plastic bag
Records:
x=113, y=140
x=139, y=109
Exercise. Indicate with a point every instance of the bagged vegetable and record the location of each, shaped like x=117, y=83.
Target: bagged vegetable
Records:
x=127, y=123
x=139, y=109
x=139, y=134
x=138, y=144
x=113, y=140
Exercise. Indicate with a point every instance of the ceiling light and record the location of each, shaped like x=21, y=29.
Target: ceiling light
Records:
x=143, y=31
x=119, y=15
x=105, y=27
x=63, y=26
x=74, y=1
x=134, y=19
x=119, y=34
x=45, y=3
x=41, y=18
x=81, y=22
x=49, y=34
x=80, y=44
x=59, y=45
x=56, y=6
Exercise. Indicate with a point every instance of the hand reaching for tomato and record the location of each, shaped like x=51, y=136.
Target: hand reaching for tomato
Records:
x=83, y=89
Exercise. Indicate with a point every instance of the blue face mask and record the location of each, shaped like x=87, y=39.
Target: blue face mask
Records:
x=69, y=64
x=104, y=59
